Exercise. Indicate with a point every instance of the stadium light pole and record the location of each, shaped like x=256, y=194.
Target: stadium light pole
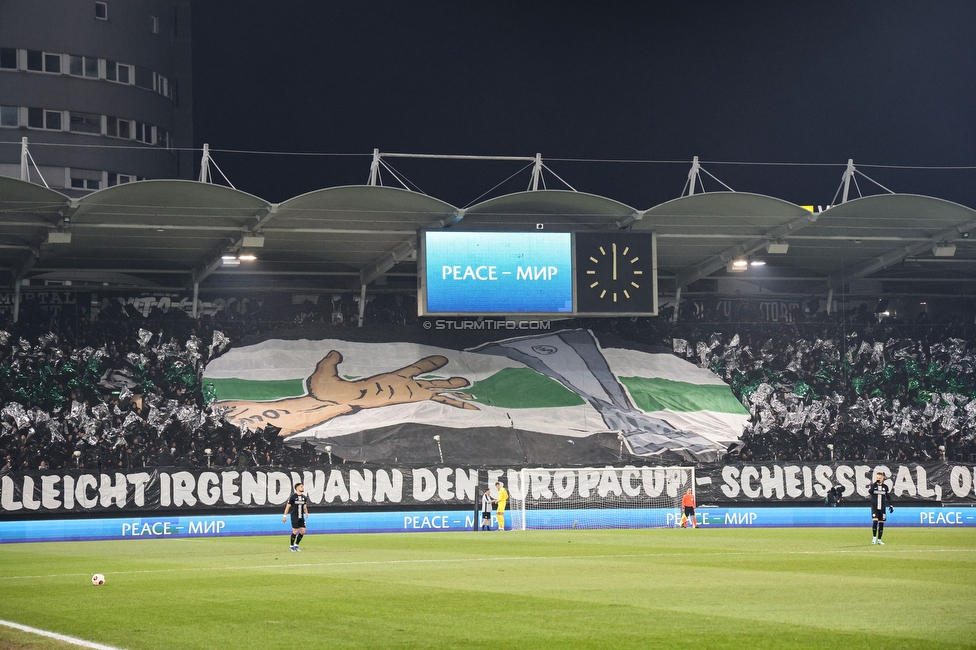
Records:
x=440, y=452
x=831, y=448
x=328, y=450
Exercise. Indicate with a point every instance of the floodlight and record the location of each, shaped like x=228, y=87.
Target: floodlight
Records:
x=777, y=248
x=737, y=266
x=944, y=249
x=247, y=257
x=253, y=241
x=54, y=237
x=757, y=263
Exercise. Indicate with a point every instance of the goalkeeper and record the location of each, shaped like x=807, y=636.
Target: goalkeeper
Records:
x=502, y=501
x=688, y=507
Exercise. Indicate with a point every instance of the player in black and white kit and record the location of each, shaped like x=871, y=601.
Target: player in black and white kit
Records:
x=298, y=507
x=880, y=499
x=486, y=502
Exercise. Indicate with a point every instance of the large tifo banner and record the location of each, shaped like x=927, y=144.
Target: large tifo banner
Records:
x=349, y=487
x=380, y=402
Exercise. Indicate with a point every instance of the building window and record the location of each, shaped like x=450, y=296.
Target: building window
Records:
x=8, y=58
x=117, y=72
x=41, y=61
x=154, y=24
x=85, y=184
x=101, y=10
x=35, y=60
x=83, y=66
x=85, y=123
x=8, y=116
x=119, y=179
x=118, y=128
x=52, y=63
x=144, y=132
x=52, y=120
x=144, y=78
x=39, y=118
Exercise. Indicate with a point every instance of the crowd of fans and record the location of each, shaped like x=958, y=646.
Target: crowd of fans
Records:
x=849, y=388
x=123, y=390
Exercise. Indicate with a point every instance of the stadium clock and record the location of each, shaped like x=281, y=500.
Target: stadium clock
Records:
x=614, y=273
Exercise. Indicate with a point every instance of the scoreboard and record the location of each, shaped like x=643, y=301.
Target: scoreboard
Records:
x=462, y=273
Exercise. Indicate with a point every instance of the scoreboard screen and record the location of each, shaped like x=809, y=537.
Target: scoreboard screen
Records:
x=498, y=272
x=463, y=273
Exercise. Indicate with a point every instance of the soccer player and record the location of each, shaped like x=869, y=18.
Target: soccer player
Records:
x=502, y=501
x=688, y=506
x=486, y=502
x=298, y=507
x=880, y=498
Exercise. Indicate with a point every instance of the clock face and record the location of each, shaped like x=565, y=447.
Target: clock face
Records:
x=614, y=273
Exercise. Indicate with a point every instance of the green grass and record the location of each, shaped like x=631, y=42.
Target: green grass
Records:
x=759, y=588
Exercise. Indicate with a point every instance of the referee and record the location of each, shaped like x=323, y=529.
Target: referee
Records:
x=298, y=507
x=880, y=499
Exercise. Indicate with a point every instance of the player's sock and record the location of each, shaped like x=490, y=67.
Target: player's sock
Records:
x=880, y=530
x=298, y=539
x=874, y=529
x=292, y=539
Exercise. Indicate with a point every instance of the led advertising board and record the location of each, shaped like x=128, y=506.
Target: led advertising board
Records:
x=498, y=272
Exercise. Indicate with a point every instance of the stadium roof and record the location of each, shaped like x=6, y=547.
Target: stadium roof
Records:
x=171, y=234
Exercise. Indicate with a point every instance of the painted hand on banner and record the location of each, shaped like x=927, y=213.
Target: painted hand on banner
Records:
x=329, y=396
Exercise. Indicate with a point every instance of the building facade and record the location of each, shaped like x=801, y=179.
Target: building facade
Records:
x=101, y=89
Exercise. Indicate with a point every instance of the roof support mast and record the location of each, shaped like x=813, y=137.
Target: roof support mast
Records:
x=848, y=175
x=374, y=169
x=536, y=172
x=693, y=176
x=205, y=164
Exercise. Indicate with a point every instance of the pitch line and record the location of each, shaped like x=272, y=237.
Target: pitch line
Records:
x=59, y=637
x=509, y=558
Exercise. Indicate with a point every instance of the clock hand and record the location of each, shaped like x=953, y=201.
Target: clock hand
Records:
x=614, y=261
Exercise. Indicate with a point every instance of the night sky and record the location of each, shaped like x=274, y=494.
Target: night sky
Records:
x=885, y=83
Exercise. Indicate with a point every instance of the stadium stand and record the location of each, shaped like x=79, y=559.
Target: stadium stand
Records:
x=125, y=390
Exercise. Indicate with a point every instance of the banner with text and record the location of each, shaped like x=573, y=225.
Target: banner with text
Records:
x=171, y=489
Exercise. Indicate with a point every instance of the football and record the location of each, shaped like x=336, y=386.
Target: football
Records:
x=98, y=579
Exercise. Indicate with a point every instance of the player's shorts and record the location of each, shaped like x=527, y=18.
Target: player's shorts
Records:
x=297, y=523
x=486, y=514
x=689, y=511
x=878, y=515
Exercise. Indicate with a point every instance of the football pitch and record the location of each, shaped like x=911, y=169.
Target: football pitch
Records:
x=731, y=588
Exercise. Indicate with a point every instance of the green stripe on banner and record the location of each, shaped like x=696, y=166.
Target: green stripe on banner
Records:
x=257, y=390
x=522, y=388
x=655, y=394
